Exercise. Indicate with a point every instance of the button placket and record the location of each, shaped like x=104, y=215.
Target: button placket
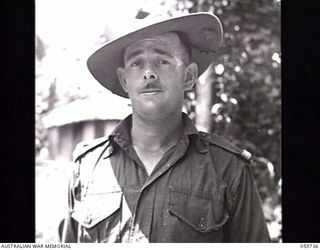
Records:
x=165, y=218
x=132, y=229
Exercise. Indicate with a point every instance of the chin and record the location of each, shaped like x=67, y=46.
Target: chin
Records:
x=156, y=113
x=156, y=108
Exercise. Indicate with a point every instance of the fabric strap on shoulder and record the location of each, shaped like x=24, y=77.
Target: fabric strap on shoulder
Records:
x=225, y=144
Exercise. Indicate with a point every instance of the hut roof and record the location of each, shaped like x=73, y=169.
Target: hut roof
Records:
x=97, y=108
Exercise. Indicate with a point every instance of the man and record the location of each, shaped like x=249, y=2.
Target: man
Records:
x=156, y=178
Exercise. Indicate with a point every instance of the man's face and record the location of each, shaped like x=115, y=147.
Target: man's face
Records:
x=155, y=75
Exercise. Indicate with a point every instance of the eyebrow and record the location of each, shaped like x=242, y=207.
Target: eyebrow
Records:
x=140, y=51
x=163, y=52
x=134, y=54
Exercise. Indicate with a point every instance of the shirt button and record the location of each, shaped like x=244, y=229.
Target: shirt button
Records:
x=202, y=224
x=88, y=220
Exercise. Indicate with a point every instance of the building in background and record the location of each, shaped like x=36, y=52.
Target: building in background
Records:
x=81, y=120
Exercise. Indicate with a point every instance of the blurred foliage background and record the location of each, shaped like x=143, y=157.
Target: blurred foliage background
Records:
x=246, y=90
x=239, y=97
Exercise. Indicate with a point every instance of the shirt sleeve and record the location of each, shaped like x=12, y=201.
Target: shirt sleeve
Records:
x=247, y=222
x=68, y=226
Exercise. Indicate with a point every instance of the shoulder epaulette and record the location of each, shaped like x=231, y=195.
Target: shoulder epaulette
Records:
x=227, y=145
x=86, y=146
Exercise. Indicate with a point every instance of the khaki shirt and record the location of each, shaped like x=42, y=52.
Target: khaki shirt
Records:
x=202, y=190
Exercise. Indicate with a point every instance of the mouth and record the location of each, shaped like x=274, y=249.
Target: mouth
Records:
x=150, y=91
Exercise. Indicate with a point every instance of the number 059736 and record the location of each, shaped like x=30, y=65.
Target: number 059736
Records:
x=308, y=245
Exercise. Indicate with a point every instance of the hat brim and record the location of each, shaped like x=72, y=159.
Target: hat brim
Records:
x=203, y=31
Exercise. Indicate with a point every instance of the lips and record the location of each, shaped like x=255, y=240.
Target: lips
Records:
x=150, y=91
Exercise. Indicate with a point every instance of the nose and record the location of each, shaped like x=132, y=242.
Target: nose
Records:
x=150, y=75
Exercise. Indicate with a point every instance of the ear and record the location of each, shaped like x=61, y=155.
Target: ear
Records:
x=122, y=79
x=191, y=76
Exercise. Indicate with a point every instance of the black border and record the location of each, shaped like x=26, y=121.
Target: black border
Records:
x=17, y=221
x=300, y=136
x=300, y=112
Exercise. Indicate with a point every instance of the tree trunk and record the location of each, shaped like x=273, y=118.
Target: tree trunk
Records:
x=204, y=102
x=204, y=86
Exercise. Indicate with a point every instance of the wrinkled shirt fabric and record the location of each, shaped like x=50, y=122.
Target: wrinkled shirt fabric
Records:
x=202, y=190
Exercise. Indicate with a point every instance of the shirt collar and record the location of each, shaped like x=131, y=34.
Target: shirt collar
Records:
x=121, y=134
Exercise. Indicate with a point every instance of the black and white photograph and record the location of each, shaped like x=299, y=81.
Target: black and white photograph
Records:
x=158, y=121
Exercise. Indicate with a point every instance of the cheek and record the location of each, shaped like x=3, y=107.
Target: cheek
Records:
x=132, y=75
x=133, y=80
x=174, y=78
x=172, y=72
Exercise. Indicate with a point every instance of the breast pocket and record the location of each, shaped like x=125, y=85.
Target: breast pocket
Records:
x=198, y=216
x=98, y=216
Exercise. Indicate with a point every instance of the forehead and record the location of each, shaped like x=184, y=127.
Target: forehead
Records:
x=170, y=41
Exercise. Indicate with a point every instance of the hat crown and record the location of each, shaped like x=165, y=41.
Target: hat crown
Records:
x=141, y=20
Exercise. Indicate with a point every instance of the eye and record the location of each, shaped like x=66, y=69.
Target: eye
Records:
x=164, y=62
x=136, y=64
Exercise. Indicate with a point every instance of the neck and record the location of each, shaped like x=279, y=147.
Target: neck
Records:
x=156, y=134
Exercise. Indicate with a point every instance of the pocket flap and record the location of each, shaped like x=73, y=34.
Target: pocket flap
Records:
x=201, y=211
x=96, y=207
